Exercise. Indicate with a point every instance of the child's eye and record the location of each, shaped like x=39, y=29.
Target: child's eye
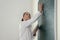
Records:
x=27, y=14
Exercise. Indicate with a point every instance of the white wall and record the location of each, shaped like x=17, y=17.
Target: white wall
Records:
x=10, y=12
x=8, y=19
x=58, y=20
x=25, y=5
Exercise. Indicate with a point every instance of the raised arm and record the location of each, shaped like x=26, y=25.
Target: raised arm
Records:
x=34, y=18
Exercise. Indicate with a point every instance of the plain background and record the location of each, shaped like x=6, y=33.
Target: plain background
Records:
x=9, y=19
x=10, y=14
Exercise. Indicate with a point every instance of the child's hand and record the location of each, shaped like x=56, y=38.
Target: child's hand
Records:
x=40, y=7
x=34, y=33
x=35, y=30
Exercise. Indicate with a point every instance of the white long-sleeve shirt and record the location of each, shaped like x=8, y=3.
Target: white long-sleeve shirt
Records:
x=25, y=32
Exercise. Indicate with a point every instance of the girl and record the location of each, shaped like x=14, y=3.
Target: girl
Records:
x=25, y=32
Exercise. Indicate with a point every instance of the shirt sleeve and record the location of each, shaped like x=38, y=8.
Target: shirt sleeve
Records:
x=32, y=20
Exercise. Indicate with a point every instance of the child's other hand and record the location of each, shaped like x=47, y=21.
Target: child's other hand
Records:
x=34, y=33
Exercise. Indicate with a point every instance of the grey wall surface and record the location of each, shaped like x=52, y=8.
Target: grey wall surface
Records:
x=47, y=29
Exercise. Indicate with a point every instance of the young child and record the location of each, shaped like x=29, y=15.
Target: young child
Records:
x=25, y=32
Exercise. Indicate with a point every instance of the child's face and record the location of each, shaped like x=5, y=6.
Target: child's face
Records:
x=26, y=16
